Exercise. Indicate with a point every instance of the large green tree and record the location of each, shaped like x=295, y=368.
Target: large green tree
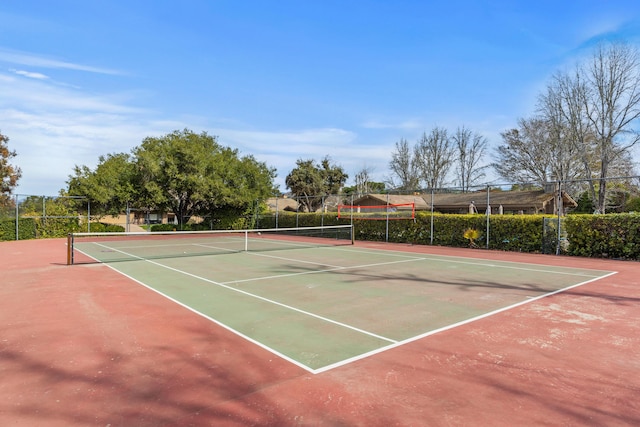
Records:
x=191, y=174
x=110, y=187
x=311, y=182
x=9, y=174
x=181, y=172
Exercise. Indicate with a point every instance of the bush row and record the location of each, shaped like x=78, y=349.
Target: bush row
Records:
x=27, y=229
x=511, y=233
x=605, y=236
x=37, y=228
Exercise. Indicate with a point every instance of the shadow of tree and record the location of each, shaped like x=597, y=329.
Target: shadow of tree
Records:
x=161, y=385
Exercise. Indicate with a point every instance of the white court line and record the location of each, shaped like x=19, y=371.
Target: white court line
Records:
x=394, y=343
x=483, y=263
x=326, y=270
x=231, y=288
x=454, y=325
x=172, y=245
x=293, y=259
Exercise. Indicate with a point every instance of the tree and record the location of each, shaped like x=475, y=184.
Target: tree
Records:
x=110, y=187
x=245, y=181
x=526, y=155
x=470, y=148
x=181, y=172
x=9, y=174
x=404, y=169
x=310, y=182
x=600, y=103
x=433, y=155
x=374, y=187
x=364, y=185
x=191, y=174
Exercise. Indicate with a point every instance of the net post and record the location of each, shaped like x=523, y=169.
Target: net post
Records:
x=246, y=240
x=70, y=249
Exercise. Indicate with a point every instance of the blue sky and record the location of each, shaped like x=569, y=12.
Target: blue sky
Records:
x=281, y=80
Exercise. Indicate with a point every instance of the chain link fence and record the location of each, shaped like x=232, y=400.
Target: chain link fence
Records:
x=35, y=216
x=487, y=204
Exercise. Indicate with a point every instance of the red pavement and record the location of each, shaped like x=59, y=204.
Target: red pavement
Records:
x=84, y=346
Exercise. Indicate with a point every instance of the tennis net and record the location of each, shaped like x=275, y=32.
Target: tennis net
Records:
x=128, y=246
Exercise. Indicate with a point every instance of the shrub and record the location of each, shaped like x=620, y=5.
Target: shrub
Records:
x=606, y=236
x=101, y=227
x=27, y=229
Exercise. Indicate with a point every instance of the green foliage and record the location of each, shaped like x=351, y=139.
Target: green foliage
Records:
x=27, y=229
x=292, y=219
x=521, y=233
x=585, y=204
x=633, y=205
x=53, y=216
x=57, y=227
x=507, y=232
x=101, y=227
x=373, y=188
x=109, y=187
x=309, y=182
x=9, y=174
x=35, y=228
x=182, y=172
x=191, y=174
x=606, y=236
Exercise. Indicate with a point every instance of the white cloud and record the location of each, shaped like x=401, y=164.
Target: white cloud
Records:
x=31, y=75
x=35, y=60
x=305, y=142
x=53, y=128
x=281, y=149
x=408, y=124
x=604, y=24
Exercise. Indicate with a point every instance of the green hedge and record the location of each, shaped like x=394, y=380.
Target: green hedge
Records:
x=604, y=236
x=36, y=228
x=57, y=227
x=608, y=236
x=27, y=229
x=291, y=220
x=100, y=227
x=508, y=232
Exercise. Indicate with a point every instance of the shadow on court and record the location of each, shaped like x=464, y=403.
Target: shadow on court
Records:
x=86, y=346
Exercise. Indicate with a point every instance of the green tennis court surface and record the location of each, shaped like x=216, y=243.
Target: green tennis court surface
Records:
x=323, y=306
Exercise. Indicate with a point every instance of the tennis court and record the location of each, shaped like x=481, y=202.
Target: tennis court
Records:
x=476, y=337
x=312, y=298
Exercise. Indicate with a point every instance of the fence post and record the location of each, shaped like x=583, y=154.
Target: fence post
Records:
x=386, y=237
x=488, y=215
x=17, y=222
x=559, y=208
x=431, y=231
